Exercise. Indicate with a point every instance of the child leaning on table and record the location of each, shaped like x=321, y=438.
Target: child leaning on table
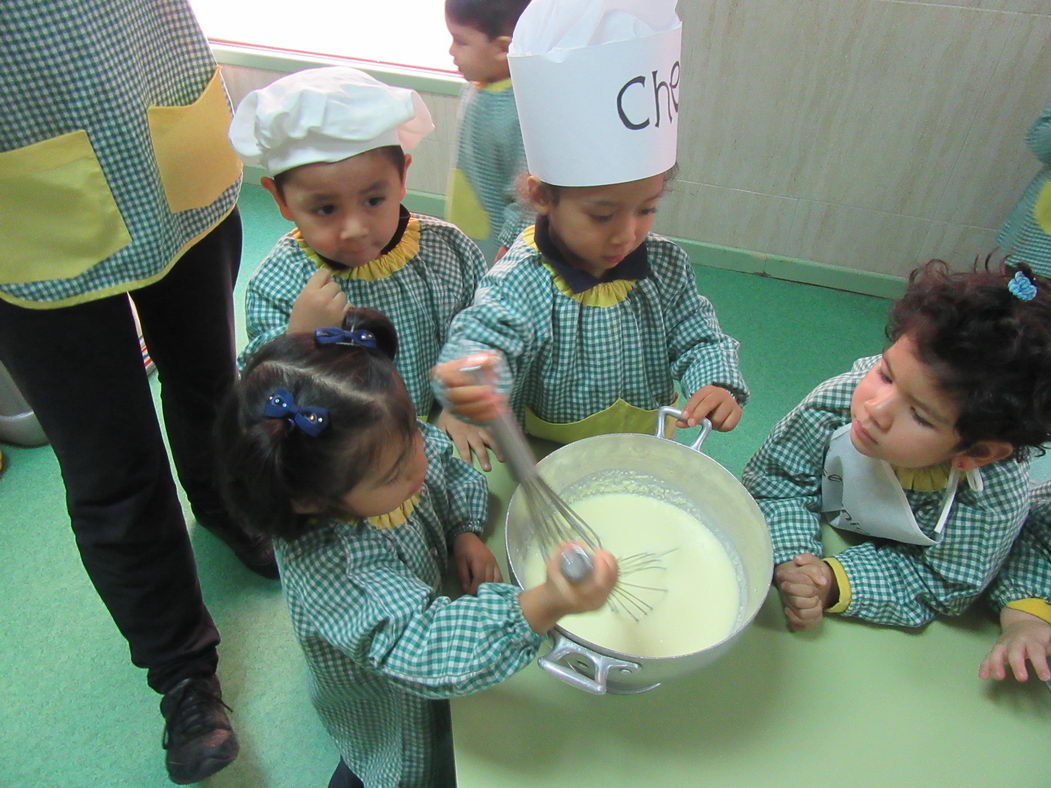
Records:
x=334, y=143
x=1021, y=594
x=321, y=449
x=595, y=317
x=483, y=197
x=921, y=451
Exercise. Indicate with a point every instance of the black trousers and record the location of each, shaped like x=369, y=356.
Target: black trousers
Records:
x=80, y=369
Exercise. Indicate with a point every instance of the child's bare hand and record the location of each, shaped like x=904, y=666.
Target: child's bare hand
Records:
x=805, y=585
x=1024, y=637
x=475, y=563
x=545, y=604
x=466, y=398
x=713, y=403
x=321, y=303
x=468, y=439
x=591, y=593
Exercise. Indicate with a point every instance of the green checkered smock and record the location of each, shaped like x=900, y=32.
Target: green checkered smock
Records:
x=482, y=197
x=1026, y=235
x=160, y=40
x=380, y=639
x=420, y=298
x=890, y=582
x=1027, y=572
x=569, y=360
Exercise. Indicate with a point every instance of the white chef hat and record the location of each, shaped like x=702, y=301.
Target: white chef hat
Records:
x=597, y=88
x=325, y=115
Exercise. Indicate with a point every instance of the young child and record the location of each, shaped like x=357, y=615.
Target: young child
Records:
x=1026, y=235
x=321, y=449
x=596, y=317
x=482, y=195
x=1021, y=594
x=333, y=142
x=919, y=450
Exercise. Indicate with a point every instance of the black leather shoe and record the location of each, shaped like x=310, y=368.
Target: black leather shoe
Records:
x=253, y=550
x=197, y=732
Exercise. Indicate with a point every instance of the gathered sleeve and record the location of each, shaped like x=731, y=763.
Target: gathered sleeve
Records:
x=784, y=475
x=1024, y=582
x=501, y=319
x=386, y=621
x=271, y=294
x=699, y=352
x=908, y=585
x=460, y=491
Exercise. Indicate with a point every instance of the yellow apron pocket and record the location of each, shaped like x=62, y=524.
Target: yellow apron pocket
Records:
x=58, y=217
x=463, y=208
x=194, y=155
x=1042, y=209
x=621, y=416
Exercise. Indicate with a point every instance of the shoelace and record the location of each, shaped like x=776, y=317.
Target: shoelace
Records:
x=194, y=721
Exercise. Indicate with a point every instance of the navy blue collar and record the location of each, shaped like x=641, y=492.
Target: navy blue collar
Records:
x=634, y=266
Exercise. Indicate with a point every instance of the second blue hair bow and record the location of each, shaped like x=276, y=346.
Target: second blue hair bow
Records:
x=281, y=405
x=1022, y=287
x=357, y=337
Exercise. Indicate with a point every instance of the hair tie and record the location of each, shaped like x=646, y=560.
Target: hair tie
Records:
x=356, y=337
x=281, y=405
x=1022, y=287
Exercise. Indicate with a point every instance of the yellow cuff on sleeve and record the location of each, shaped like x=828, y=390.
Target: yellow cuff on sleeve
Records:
x=844, y=586
x=1034, y=607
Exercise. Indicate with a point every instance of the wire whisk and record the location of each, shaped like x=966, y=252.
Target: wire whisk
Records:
x=555, y=522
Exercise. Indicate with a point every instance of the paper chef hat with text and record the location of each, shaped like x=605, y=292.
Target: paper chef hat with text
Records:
x=597, y=88
x=325, y=115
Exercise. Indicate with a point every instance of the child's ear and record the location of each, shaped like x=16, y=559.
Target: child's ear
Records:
x=305, y=507
x=538, y=195
x=405, y=175
x=982, y=453
x=271, y=186
x=502, y=43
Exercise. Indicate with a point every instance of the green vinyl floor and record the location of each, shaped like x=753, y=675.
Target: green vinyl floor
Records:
x=75, y=712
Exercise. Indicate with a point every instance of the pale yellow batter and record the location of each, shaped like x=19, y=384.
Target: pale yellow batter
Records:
x=702, y=603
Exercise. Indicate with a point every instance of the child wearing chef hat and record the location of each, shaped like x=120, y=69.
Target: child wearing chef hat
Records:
x=595, y=317
x=334, y=144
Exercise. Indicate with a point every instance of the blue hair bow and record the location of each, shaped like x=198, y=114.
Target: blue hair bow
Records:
x=1022, y=287
x=281, y=405
x=357, y=337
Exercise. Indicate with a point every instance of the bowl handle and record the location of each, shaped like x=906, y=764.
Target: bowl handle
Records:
x=668, y=410
x=600, y=663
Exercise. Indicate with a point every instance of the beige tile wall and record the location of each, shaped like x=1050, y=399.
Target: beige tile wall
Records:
x=868, y=134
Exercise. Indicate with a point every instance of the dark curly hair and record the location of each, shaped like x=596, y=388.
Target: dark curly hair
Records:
x=493, y=17
x=266, y=463
x=988, y=349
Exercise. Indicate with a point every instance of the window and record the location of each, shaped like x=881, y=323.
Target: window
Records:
x=400, y=33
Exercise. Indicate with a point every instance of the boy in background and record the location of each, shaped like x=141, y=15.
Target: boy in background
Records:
x=482, y=198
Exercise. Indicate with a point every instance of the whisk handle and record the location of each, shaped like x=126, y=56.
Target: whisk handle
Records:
x=575, y=564
x=508, y=436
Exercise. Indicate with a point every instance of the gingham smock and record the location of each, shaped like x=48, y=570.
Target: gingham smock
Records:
x=145, y=54
x=1026, y=235
x=569, y=359
x=420, y=284
x=483, y=201
x=378, y=636
x=890, y=582
x=1024, y=581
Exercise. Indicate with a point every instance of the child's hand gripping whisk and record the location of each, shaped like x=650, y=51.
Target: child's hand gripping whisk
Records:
x=555, y=522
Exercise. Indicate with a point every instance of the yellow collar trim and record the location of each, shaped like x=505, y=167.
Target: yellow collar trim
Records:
x=494, y=87
x=603, y=294
x=928, y=479
x=383, y=266
x=395, y=517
